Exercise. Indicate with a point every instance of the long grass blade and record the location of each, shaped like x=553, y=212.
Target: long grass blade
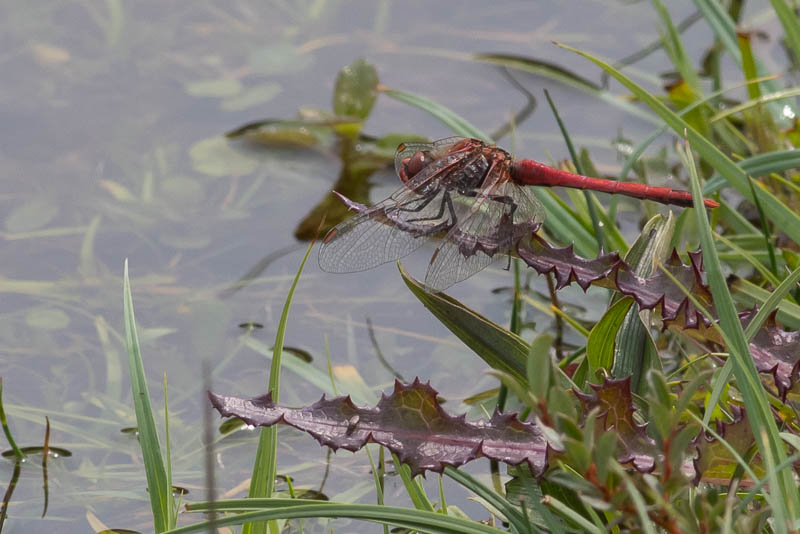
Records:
x=265, y=467
x=780, y=214
x=160, y=492
x=448, y=117
x=270, y=509
x=784, y=495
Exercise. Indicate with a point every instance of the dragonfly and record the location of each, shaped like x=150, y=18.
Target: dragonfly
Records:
x=472, y=194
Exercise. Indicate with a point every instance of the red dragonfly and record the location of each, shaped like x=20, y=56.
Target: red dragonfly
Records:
x=471, y=193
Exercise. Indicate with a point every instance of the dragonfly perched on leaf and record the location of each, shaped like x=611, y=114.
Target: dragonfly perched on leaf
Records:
x=472, y=194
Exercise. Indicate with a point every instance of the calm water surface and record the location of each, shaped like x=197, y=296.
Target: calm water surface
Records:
x=110, y=148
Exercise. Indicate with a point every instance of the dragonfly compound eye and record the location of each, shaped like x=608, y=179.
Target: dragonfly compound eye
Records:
x=417, y=162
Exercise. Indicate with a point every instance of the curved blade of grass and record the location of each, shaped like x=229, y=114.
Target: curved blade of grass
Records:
x=262, y=482
x=561, y=75
x=751, y=259
x=724, y=29
x=783, y=496
x=598, y=232
x=765, y=230
x=271, y=509
x=6, y=430
x=675, y=49
x=780, y=214
x=415, y=492
x=791, y=26
x=749, y=293
x=159, y=490
x=471, y=483
x=759, y=165
x=631, y=160
x=753, y=102
x=521, y=115
x=788, y=284
x=448, y=117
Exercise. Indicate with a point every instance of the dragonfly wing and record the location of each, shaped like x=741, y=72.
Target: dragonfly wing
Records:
x=484, y=232
x=395, y=227
x=385, y=232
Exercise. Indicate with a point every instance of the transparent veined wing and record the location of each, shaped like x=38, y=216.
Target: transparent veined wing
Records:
x=395, y=227
x=486, y=229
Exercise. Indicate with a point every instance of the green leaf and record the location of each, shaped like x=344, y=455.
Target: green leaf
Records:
x=159, y=488
x=600, y=345
x=634, y=344
x=31, y=215
x=356, y=90
x=215, y=157
x=222, y=87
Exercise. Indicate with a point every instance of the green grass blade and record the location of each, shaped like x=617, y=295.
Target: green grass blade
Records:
x=158, y=486
x=598, y=232
x=631, y=160
x=751, y=259
x=560, y=75
x=791, y=26
x=265, y=467
x=565, y=225
x=788, y=284
x=780, y=214
x=572, y=515
x=749, y=293
x=415, y=492
x=784, y=495
x=675, y=49
x=6, y=430
x=448, y=117
x=754, y=102
x=474, y=485
x=759, y=165
x=270, y=509
x=724, y=29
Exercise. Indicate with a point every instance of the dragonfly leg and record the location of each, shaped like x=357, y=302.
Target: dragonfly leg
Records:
x=446, y=202
x=508, y=201
x=423, y=201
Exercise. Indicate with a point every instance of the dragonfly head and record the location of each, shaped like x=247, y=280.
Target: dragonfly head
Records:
x=412, y=165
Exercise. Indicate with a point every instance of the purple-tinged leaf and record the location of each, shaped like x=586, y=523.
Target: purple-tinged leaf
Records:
x=775, y=351
x=615, y=402
x=659, y=290
x=608, y=270
x=409, y=422
x=565, y=265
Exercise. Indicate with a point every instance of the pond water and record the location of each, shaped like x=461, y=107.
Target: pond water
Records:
x=110, y=148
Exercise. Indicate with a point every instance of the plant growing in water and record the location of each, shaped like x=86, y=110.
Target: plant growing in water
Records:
x=622, y=434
